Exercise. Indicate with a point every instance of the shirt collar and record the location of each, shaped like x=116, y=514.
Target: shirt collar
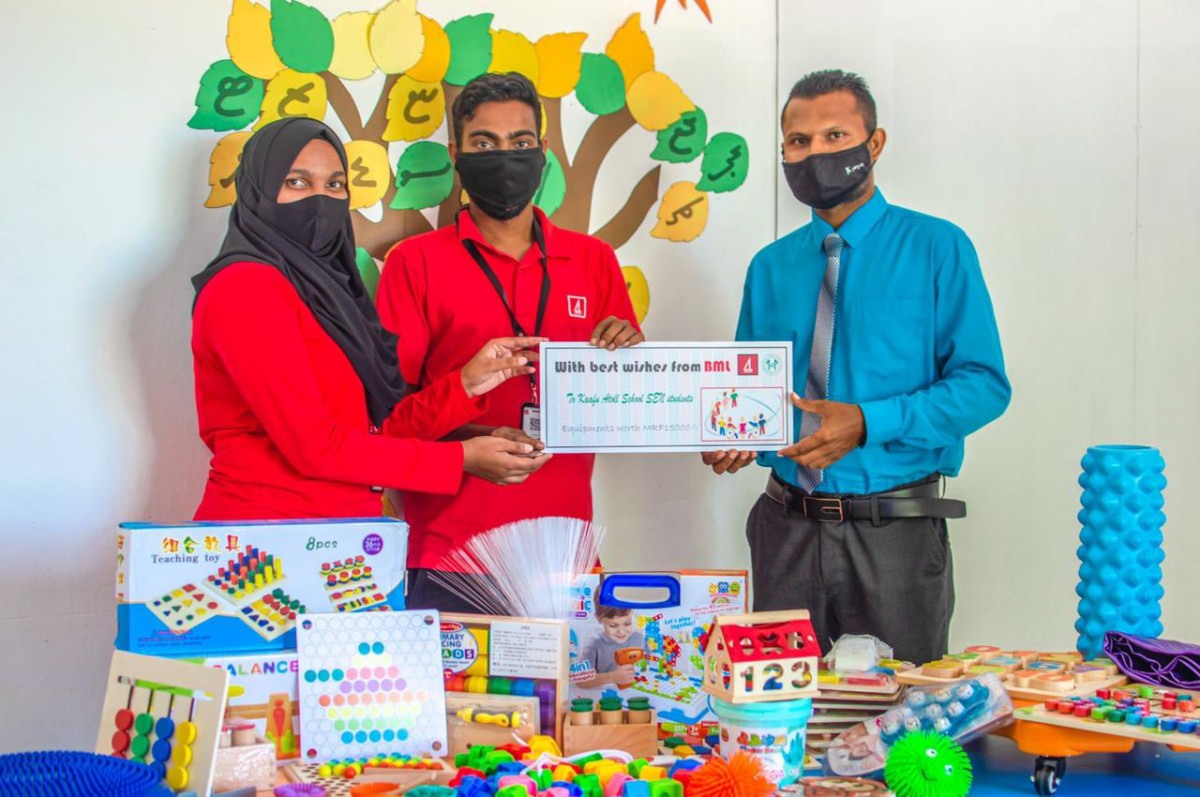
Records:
x=856, y=228
x=469, y=230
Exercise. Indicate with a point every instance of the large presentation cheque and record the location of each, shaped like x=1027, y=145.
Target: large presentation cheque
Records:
x=665, y=397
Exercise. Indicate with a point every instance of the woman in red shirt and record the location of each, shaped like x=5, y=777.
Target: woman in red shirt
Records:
x=298, y=391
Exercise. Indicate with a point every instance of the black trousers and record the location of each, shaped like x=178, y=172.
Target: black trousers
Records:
x=894, y=581
x=423, y=592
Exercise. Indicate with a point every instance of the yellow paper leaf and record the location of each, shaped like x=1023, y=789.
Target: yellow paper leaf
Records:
x=293, y=93
x=630, y=48
x=559, y=58
x=542, y=127
x=222, y=167
x=656, y=102
x=351, y=50
x=249, y=40
x=682, y=213
x=414, y=110
x=395, y=37
x=512, y=52
x=370, y=173
x=639, y=291
x=435, y=59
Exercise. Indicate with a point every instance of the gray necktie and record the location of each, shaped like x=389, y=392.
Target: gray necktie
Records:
x=816, y=387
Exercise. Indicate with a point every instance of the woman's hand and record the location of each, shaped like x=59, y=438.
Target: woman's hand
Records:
x=498, y=361
x=500, y=461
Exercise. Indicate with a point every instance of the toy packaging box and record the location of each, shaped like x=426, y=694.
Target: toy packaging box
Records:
x=263, y=690
x=643, y=635
x=206, y=589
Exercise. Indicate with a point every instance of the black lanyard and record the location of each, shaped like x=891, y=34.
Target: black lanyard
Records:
x=543, y=299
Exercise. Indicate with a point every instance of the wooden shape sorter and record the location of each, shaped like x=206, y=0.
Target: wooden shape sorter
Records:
x=371, y=683
x=185, y=607
x=165, y=713
x=1026, y=675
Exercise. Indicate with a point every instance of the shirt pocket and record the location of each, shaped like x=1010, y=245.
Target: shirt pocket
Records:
x=893, y=338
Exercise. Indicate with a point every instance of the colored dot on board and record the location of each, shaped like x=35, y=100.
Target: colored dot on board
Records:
x=360, y=737
x=401, y=683
x=380, y=672
x=352, y=725
x=352, y=673
x=352, y=700
x=323, y=676
x=310, y=676
x=401, y=735
x=368, y=699
x=377, y=648
x=338, y=675
x=373, y=685
x=339, y=700
x=346, y=686
x=347, y=737
x=375, y=736
x=323, y=700
x=389, y=735
x=338, y=725
x=386, y=684
x=364, y=648
x=359, y=686
x=394, y=672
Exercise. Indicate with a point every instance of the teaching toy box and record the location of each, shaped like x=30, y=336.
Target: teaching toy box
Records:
x=656, y=626
x=206, y=589
x=263, y=690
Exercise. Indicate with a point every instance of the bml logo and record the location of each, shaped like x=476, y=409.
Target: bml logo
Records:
x=747, y=364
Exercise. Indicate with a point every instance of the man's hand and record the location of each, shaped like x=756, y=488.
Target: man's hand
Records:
x=842, y=429
x=518, y=436
x=730, y=461
x=499, y=360
x=615, y=333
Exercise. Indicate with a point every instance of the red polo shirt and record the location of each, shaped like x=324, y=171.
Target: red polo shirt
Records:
x=284, y=413
x=440, y=303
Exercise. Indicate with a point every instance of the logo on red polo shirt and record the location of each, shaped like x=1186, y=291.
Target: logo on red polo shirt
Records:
x=748, y=364
x=577, y=306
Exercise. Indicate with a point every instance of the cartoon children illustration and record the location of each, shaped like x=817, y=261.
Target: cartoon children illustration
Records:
x=618, y=634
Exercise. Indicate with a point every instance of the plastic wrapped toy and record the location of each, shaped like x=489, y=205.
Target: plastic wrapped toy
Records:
x=963, y=711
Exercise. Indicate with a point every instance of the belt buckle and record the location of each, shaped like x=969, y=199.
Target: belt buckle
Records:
x=830, y=510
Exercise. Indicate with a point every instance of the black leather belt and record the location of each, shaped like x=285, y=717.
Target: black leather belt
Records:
x=921, y=499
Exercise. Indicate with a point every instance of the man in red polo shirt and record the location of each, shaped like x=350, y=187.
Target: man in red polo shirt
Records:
x=501, y=267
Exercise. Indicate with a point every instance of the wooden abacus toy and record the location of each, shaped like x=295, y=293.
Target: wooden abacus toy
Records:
x=1026, y=674
x=165, y=713
x=1144, y=713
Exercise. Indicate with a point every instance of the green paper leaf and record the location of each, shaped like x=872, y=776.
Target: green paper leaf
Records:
x=302, y=36
x=367, y=270
x=470, y=48
x=684, y=140
x=424, y=176
x=601, y=87
x=553, y=189
x=228, y=98
x=726, y=162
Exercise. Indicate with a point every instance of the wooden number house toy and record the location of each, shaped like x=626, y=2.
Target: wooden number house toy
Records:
x=164, y=713
x=762, y=657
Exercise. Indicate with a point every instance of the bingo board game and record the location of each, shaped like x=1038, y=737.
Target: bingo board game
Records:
x=164, y=713
x=371, y=684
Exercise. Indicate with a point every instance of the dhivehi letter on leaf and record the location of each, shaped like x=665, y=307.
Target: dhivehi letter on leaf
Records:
x=424, y=176
x=227, y=99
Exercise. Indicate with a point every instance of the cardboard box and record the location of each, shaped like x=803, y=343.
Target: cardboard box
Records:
x=207, y=589
x=263, y=688
x=667, y=617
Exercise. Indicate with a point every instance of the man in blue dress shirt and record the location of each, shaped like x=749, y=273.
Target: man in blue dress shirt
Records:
x=897, y=360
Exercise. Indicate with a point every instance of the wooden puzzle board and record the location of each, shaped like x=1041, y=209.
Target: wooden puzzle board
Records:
x=340, y=787
x=140, y=684
x=915, y=677
x=185, y=607
x=841, y=685
x=371, y=684
x=1039, y=714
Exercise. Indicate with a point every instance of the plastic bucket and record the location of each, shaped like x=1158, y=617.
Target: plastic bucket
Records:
x=772, y=732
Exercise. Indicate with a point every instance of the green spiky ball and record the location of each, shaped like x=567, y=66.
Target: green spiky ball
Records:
x=926, y=764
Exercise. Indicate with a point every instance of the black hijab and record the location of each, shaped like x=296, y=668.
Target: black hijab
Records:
x=312, y=243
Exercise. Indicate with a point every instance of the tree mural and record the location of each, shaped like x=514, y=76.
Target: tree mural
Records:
x=290, y=60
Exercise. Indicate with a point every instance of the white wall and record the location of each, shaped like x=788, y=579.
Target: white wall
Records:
x=1054, y=135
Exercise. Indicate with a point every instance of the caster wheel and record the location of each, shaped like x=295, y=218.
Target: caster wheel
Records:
x=1048, y=774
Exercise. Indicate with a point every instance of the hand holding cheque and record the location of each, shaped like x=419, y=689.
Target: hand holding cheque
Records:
x=842, y=430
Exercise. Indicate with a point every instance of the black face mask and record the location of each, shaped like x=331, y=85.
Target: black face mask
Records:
x=501, y=182
x=315, y=223
x=831, y=178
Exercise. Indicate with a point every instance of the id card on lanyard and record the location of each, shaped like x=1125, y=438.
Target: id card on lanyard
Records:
x=531, y=413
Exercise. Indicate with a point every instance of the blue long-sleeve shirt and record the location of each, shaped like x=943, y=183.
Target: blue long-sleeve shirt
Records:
x=915, y=343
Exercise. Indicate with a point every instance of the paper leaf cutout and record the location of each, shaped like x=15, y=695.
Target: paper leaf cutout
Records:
x=351, y=51
x=512, y=52
x=293, y=94
x=369, y=174
x=396, y=36
x=228, y=98
x=682, y=213
x=553, y=189
x=656, y=102
x=726, y=163
x=630, y=48
x=601, y=89
x=368, y=269
x=470, y=48
x=414, y=110
x=424, y=176
x=301, y=35
x=249, y=40
x=684, y=140
x=435, y=58
x=639, y=291
x=559, y=60
x=222, y=169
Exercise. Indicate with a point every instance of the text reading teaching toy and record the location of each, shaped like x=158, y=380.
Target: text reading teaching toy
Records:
x=762, y=657
x=371, y=684
x=166, y=714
